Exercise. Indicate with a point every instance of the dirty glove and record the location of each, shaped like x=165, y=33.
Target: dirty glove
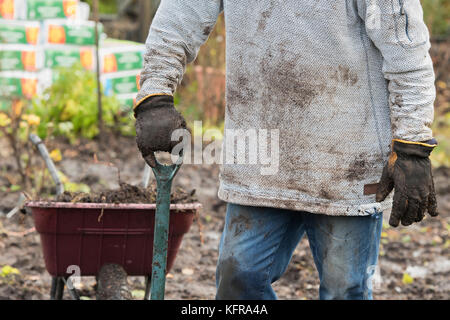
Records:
x=408, y=171
x=156, y=119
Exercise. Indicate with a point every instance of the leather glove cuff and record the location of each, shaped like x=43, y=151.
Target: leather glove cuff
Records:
x=416, y=149
x=154, y=102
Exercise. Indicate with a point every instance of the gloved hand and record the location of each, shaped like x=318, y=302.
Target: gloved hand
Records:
x=408, y=171
x=156, y=119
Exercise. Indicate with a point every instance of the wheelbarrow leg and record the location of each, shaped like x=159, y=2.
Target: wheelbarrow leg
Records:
x=71, y=289
x=148, y=282
x=53, y=288
x=57, y=289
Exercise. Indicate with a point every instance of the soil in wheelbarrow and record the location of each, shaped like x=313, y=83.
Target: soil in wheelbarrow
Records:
x=127, y=193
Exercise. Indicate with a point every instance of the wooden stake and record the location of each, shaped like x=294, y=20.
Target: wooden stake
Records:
x=97, y=57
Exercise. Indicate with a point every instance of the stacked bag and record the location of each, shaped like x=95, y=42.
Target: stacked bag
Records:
x=39, y=36
x=120, y=65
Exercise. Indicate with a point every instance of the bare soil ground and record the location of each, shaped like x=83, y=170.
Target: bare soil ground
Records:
x=422, y=251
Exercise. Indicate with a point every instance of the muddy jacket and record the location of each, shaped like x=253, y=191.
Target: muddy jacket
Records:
x=338, y=79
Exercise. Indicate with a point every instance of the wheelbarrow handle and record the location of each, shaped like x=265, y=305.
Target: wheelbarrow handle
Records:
x=164, y=175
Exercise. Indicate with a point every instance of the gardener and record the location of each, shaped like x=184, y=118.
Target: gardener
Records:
x=348, y=84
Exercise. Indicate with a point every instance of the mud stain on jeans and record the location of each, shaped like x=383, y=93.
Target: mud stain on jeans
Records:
x=240, y=223
x=230, y=284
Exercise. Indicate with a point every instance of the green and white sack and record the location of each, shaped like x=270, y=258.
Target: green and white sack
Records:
x=56, y=56
x=20, y=32
x=21, y=84
x=51, y=9
x=10, y=9
x=121, y=56
x=118, y=83
x=20, y=57
x=70, y=32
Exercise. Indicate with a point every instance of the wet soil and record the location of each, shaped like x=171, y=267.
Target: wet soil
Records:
x=127, y=193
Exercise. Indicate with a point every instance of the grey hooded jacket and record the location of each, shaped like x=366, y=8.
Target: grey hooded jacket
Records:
x=338, y=79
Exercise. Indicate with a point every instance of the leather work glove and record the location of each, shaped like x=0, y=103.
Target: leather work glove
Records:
x=408, y=172
x=156, y=119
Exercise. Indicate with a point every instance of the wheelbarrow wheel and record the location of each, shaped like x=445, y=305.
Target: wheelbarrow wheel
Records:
x=112, y=283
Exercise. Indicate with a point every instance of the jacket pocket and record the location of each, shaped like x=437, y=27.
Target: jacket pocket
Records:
x=411, y=30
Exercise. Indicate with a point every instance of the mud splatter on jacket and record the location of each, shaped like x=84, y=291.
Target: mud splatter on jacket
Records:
x=339, y=79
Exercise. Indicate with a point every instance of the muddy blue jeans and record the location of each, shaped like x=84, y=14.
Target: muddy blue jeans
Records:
x=257, y=245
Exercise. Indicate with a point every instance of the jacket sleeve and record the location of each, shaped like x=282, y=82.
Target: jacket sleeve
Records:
x=178, y=30
x=397, y=29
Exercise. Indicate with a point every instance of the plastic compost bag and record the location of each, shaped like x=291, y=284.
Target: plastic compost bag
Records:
x=9, y=9
x=70, y=32
x=56, y=56
x=20, y=57
x=44, y=9
x=119, y=83
x=116, y=58
x=20, y=84
x=19, y=32
x=50, y=9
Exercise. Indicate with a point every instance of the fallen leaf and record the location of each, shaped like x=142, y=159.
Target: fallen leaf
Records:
x=138, y=294
x=424, y=229
x=69, y=153
x=14, y=188
x=407, y=279
x=32, y=278
x=56, y=155
x=8, y=270
x=437, y=240
x=441, y=84
x=187, y=271
x=446, y=244
x=406, y=239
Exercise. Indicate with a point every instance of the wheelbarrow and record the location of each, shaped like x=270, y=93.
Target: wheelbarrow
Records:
x=142, y=238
